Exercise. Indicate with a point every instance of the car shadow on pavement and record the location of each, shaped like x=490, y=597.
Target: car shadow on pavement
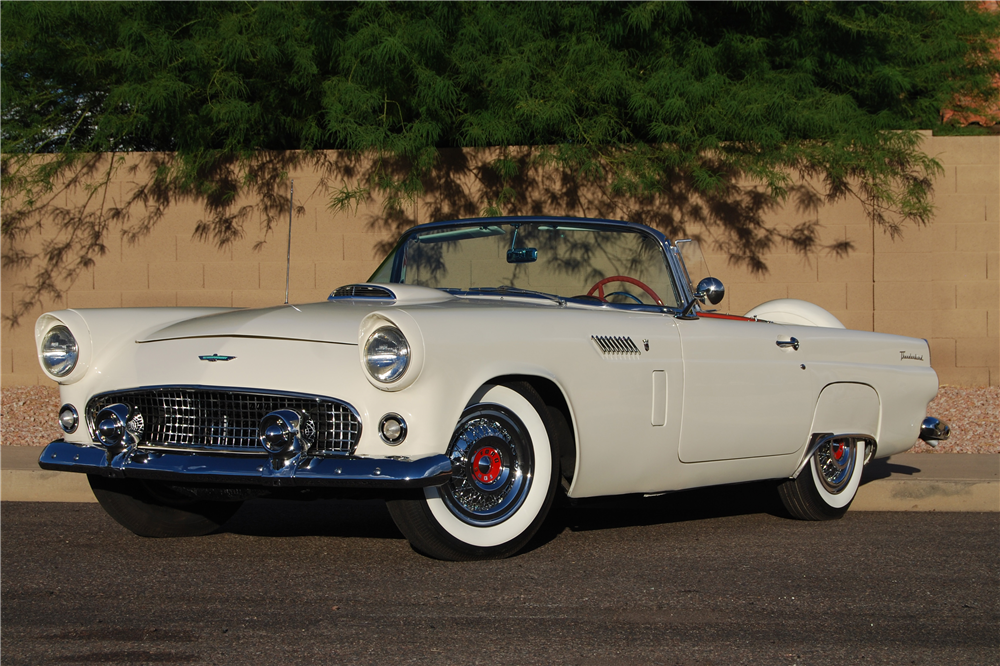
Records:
x=605, y=513
x=883, y=469
x=367, y=519
x=370, y=518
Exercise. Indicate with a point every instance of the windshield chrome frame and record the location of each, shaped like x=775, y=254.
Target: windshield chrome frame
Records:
x=674, y=262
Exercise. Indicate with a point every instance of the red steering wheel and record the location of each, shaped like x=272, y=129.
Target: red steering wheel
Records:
x=599, y=287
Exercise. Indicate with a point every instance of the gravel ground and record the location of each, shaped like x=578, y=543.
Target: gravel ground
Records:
x=28, y=418
x=28, y=415
x=974, y=417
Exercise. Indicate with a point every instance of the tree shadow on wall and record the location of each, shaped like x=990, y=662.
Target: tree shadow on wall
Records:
x=466, y=184
x=60, y=221
x=63, y=214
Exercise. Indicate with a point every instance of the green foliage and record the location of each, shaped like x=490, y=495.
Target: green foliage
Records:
x=640, y=99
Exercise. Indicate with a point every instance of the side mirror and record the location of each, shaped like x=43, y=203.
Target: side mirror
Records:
x=712, y=289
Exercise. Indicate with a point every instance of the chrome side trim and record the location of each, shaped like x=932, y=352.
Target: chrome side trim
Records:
x=346, y=472
x=819, y=439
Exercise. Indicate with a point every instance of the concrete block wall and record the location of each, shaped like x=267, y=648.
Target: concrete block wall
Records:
x=939, y=282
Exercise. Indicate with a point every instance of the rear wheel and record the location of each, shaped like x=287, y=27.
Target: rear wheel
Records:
x=151, y=509
x=825, y=489
x=504, y=471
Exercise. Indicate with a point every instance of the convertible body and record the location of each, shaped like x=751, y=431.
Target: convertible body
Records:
x=466, y=382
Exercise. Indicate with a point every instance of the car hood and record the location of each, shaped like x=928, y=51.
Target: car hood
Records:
x=322, y=322
x=335, y=320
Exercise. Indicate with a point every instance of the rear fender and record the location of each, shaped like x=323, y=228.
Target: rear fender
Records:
x=844, y=411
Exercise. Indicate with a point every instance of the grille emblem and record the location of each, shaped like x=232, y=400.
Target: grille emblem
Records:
x=212, y=358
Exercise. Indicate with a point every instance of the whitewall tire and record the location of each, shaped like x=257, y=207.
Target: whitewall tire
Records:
x=825, y=489
x=504, y=472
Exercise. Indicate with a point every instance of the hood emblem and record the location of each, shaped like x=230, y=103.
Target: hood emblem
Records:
x=212, y=358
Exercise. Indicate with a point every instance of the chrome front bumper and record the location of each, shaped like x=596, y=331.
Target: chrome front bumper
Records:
x=331, y=472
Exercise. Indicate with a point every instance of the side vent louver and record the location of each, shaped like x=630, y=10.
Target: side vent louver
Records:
x=362, y=291
x=616, y=345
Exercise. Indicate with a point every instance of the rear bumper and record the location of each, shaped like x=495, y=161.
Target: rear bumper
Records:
x=299, y=471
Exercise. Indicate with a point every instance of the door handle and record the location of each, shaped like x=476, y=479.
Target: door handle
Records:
x=790, y=342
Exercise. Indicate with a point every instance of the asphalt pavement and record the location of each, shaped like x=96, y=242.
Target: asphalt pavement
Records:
x=955, y=482
x=703, y=578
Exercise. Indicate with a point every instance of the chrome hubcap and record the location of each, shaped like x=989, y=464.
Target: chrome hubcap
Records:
x=835, y=463
x=491, y=466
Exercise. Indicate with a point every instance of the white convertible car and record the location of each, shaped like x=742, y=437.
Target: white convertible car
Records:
x=487, y=365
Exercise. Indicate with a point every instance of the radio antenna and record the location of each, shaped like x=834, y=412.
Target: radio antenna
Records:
x=288, y=257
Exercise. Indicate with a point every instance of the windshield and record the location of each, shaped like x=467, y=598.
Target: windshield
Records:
x=562, y=260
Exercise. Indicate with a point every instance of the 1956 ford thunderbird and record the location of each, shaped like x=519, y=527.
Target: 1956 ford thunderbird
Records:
x=487, y=365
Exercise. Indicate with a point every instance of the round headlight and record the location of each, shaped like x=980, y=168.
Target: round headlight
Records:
x=387, y=354
x=60, y=351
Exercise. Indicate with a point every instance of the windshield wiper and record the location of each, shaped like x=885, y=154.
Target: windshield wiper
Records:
x=503, y=290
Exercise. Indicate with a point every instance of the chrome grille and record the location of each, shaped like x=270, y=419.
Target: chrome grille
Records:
x=226, y=420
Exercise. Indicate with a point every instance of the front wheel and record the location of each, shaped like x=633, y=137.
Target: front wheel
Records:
x=826, y=487
x=504, y=472
x=152, y=509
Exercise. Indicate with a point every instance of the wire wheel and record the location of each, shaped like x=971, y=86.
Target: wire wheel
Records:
x=492, y=466
x=835, y=463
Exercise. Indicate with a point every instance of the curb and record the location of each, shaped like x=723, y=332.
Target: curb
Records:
x=25, y=485
x=962, y=482
x=928, y=495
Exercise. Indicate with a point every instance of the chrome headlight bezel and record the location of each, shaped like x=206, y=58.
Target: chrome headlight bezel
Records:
x=387, y=354
x=59, y=351
x=46, y=327
x=407, y=329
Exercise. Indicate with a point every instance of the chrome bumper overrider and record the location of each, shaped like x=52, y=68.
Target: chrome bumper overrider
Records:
x=332, y=472
x=933, y=430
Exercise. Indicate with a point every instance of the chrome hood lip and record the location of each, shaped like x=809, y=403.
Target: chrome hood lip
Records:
x=335, y=321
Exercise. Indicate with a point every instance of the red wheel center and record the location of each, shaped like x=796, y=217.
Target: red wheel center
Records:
x=838, y=452
x=486, y=465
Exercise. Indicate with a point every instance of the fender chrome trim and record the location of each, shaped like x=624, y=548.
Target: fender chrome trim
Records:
x=819, y=439
x=340, y=472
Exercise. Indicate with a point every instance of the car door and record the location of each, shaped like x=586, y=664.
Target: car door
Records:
x=747, y=391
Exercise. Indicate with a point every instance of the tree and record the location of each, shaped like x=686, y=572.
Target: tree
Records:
x=676, y=111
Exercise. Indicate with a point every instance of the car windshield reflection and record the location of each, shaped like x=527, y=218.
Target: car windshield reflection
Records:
x=574, y=261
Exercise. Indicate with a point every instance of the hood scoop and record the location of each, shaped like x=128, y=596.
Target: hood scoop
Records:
x=362, y=291
x=396, y=294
